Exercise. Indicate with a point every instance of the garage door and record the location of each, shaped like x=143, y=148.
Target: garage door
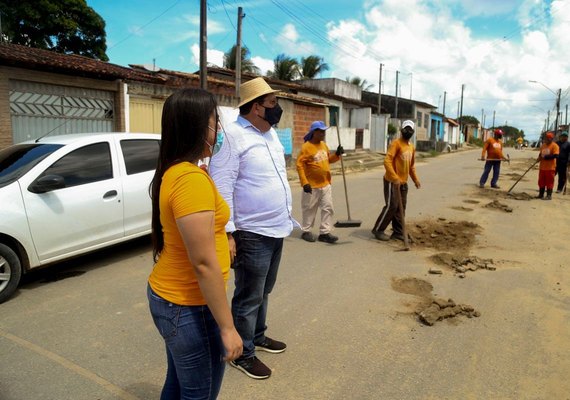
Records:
x=145, y=115
x=37, y=109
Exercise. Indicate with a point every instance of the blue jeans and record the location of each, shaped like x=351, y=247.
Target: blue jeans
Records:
x=194, y=349
x=255, y=267
x=496, y=166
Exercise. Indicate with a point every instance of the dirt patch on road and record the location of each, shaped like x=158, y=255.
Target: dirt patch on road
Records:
x=462, y=208
x=520, y=196
x=462, y=265
x=430, y=309
x=497, y=205
x=454, y=236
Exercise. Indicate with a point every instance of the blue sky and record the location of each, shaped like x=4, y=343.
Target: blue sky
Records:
x=493, y=47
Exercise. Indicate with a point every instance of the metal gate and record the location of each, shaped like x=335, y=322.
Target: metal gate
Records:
x=37, y=109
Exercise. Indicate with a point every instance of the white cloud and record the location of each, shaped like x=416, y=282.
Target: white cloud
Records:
x=263, y=64
x=288, y=42
x=213, y=56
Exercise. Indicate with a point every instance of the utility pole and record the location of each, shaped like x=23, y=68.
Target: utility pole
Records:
x=461, y=111
x=238, y=51
x=557, y=110
x=548, y=120
x=566, y=117
x=457, y=115
x=203, y=46
x=482, y=114
x=380, y=91
x=444, y=96
x=411, y=82
x=493, y=119
x=396, y=107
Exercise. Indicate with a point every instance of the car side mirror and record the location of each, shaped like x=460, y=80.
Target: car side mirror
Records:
x=47, y=184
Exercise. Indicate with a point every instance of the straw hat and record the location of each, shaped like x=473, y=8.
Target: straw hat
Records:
x=253, y=89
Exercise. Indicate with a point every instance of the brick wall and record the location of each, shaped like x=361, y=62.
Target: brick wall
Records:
x=304, y=115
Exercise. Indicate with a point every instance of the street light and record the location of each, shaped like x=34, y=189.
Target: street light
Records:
x=557, y=94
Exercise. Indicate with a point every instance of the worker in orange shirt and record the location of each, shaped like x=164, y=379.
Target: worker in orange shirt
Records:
x=494, y=149
x=315, y=176
x=547, y=167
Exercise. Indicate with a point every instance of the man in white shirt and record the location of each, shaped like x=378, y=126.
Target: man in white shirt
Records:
x=250, y=173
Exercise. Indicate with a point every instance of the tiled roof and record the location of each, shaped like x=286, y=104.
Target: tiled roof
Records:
x=14, y=55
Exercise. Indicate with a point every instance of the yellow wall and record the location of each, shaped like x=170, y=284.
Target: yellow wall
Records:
x=145, y=115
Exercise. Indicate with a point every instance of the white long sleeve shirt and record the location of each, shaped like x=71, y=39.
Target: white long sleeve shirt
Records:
x=250, y=173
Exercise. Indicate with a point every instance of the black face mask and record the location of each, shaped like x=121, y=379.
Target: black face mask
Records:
x=273, y=115
x=407, y=135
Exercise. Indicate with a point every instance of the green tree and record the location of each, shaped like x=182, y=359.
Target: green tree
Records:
x=285, y=68
x=65, y=26
x=246, y=64
x=362, y=83
x=468, y=120
x=311, y=66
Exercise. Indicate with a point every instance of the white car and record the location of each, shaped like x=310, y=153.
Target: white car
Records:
x=66, y=195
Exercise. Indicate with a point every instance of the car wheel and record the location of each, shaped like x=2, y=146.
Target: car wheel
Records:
x=10, y=272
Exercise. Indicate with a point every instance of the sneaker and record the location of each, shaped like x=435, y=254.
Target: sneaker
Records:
x=271, y=346
x=308, y=236
x=397, y=236
x=548, y=197
x=381, y=236
x=559, y=191
x=496, y=187
x=252, y=367
x=327, y=238
x=481, y=185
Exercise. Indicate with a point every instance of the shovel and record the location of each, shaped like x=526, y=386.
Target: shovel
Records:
x=402, y=218
x=349, y=223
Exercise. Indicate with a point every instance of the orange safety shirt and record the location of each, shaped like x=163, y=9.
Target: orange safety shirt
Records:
x=400, y=162
x=547, y=149
x=187, y=189
x=313, y=164
x=493, y=148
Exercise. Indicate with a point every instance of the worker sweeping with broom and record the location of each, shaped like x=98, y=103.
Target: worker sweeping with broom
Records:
x=315, y=175
x=399, y=165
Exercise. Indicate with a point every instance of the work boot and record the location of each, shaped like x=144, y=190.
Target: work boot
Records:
x=540, y=193
x=548, y=195
x=381, y=236
x=327, y=238
x=308, y=236
x=397, y=236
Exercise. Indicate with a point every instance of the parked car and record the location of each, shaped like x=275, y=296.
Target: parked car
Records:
x=67, y=195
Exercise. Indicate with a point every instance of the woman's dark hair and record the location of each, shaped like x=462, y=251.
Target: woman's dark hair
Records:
x=185, y=117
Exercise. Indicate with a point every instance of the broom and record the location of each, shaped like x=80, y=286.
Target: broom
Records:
x=349, y=223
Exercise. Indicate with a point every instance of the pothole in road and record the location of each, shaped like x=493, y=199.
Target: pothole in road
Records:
x=445, y=235
x=428, y=308
x=497, y=205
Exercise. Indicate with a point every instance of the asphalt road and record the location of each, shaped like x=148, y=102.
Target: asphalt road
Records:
x=81, y=329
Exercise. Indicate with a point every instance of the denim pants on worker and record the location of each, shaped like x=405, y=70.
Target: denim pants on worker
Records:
x=496, y=166
x=255, y=269
x=194, y=349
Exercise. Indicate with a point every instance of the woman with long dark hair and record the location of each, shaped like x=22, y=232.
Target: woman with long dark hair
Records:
x=186, y=289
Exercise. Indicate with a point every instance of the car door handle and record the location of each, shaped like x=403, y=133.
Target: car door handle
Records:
x=109, y=194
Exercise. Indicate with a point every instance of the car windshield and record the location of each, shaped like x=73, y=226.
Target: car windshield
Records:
x=16, y=160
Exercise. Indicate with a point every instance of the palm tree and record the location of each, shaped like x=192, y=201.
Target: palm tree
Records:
x=246, y=64
x=311, y=66
x=285, y=68
x=362, y=83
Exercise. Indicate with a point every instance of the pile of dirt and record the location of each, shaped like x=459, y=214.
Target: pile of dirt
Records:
x=462, y=208
x=430, y=309
x=444, y=235
x=441, y=309
x=497, y=205
x=520, y=196
x=461, y=265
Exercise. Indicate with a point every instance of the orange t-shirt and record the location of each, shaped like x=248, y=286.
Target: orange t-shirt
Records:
x=313, y=164
x=494, y=149
x=399, y=162
x=187, y=189
x=546, y=149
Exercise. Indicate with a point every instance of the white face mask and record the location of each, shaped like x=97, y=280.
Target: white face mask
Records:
x=214, y=148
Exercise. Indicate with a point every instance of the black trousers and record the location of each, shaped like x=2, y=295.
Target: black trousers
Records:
x=561, y=172
x=390, y=213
